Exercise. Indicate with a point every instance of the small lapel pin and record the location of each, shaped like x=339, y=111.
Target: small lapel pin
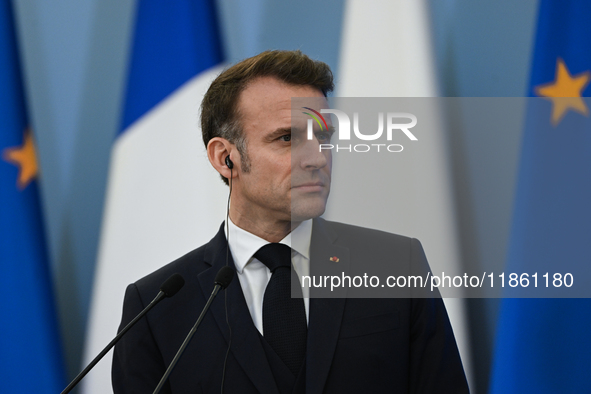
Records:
x=334, y=259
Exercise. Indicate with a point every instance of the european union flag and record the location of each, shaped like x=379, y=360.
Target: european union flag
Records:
x=544, y=345
x=30, y=351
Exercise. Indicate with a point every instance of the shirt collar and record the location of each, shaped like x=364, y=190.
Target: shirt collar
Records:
x=301, y=238
x=244, y=244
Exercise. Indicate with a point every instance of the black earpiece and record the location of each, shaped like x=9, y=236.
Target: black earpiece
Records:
x=229, y=162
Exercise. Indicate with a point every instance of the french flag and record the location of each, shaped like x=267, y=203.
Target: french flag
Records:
x=163, y=197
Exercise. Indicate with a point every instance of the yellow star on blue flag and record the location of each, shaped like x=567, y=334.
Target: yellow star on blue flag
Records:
x=565, y=92
x=24, y=158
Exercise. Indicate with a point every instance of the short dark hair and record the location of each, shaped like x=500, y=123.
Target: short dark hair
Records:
x=219, y=113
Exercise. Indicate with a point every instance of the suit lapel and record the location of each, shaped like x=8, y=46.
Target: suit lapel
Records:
x=325, y=313
x=246, y=345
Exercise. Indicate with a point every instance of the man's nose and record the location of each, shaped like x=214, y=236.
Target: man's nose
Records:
x=311, y=156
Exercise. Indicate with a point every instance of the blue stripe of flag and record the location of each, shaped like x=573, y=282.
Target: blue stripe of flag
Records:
x=173, y=42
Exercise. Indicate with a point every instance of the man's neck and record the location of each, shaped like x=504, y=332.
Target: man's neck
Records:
x=269, y=230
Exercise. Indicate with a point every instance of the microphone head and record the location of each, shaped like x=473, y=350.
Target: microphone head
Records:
x=224, y=277
x=172, y=285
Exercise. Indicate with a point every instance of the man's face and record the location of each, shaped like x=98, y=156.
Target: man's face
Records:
x=288, y=178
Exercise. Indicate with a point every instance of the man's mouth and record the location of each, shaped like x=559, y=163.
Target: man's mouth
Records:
x=310, y=186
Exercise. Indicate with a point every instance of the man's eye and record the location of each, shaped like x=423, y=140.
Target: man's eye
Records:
x=323, y=136
x=286, y=138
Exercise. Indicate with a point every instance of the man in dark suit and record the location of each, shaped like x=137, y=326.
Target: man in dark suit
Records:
x=280, y=181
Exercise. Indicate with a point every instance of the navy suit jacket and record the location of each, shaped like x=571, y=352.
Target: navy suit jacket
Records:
x=355, y=345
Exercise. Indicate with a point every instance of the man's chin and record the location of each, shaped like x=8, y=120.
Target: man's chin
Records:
x=301, y=210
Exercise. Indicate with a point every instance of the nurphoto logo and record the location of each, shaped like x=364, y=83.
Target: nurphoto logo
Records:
x=396, y=123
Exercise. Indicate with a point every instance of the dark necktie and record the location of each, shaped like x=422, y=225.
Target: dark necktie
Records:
x=284, y=318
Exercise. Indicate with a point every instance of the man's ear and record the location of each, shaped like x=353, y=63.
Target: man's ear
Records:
x=217, y=150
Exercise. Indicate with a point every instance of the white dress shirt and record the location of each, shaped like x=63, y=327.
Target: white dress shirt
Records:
x=254, y=275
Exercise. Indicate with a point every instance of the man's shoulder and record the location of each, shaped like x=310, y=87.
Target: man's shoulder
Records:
x=189, y=266
x=348, y=234
x=180, y=264
x=365, y=251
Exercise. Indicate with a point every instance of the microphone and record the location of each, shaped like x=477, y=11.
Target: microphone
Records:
x=222, y=280
x=169, y=288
